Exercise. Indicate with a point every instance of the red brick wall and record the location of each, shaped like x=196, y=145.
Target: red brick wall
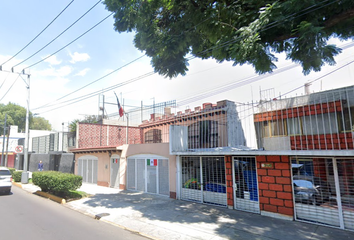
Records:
x=337, y=141
x=95, y=135
x=274, y=184
x=299, y=111
x=229, y=181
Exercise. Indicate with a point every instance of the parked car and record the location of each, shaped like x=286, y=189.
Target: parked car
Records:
x=311, y=190
x=5, y=180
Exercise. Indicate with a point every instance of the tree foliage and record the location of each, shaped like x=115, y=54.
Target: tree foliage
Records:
x=87, y=119
x=244, y=31
x=16, y=115
x=40, y=123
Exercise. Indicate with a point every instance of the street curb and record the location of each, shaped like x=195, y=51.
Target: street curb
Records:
x=51, y=197
x=17, y=184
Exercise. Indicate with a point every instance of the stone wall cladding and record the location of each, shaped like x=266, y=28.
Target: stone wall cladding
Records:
x=274, y=181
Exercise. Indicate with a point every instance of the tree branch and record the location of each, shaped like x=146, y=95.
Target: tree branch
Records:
x=328, y=24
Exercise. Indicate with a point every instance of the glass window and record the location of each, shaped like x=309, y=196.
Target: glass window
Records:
x=346, y=120
x=294, y=126
x=153, y=136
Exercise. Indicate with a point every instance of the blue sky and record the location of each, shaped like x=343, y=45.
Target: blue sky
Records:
x=102, y=50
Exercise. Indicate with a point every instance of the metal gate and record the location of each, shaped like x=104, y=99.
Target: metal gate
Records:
x=114, y=183
x=87, y=168
x=245, y=184
x=203, y=180
x=149, y=174
x=324, y=191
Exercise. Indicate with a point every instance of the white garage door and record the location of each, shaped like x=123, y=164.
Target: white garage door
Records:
x=87, y=168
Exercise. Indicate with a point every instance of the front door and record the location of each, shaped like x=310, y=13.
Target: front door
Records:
x=115, y=172
x=245, y=184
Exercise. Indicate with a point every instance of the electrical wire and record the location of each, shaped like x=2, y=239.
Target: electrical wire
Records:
x=59, y=34
x=108, y=74
x=8, y=74
x=204, y=50
x=38, y=33
x=10, y=87
x=69, y=42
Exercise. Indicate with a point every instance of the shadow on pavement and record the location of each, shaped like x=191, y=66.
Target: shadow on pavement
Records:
x=220, y=221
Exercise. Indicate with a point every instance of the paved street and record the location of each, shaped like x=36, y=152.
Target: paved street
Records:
x=27, y=216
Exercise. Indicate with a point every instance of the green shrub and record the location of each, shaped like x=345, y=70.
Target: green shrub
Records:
x=16, y=175
x=12, y=170
x=57, y=183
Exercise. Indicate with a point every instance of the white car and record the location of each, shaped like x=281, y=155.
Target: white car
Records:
x=5, y=180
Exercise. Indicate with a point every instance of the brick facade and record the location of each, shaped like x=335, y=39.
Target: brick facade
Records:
x=95, y=135
x=337, y=141
x=229, y=181
x=295, y=112
x=274, y=184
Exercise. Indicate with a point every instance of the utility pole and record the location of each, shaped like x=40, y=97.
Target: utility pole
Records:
x=3, y=142
x=25, y=174
x=7, y=145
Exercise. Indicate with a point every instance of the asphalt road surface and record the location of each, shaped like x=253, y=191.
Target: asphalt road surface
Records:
x=27, y=216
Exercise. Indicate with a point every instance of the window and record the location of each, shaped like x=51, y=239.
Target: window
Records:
x=203, y=134
x=346, y=120
x=294, y=126
x=153, y=136
x=274, y=128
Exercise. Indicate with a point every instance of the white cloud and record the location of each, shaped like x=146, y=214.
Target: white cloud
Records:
x=82, y=72
x=52, y=60
x=79, y=57
x=52, y=72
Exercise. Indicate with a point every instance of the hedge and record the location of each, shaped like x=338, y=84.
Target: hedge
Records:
x=57, y=183
x=16, y=175
x=12, y=170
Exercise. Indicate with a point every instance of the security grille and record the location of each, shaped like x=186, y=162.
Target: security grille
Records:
x=140, y=175
x=324, y=191
x=164, y=187
x=204, y=180
x=245, y=184
x=148, y=175
x=131, y=174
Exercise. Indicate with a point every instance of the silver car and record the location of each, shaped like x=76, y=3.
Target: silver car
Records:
x=5, y=180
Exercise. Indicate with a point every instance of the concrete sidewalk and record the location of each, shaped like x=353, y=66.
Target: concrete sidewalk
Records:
x=164, y=218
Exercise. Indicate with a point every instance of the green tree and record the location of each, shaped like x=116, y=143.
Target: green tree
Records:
x=87, y=119
x=16, y=115
x=244, y=31
x=40, y=123
x=73, y=125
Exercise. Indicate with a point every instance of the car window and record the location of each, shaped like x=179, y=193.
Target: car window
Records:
x=5, y=173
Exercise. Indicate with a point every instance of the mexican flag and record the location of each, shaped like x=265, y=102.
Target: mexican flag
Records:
x=151, y=162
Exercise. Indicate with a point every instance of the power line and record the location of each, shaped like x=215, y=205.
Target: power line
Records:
x=247, y=82
x=59, y=34
x=39, y=33
x=92, y=82
x=69, y=42
x=10, y=87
